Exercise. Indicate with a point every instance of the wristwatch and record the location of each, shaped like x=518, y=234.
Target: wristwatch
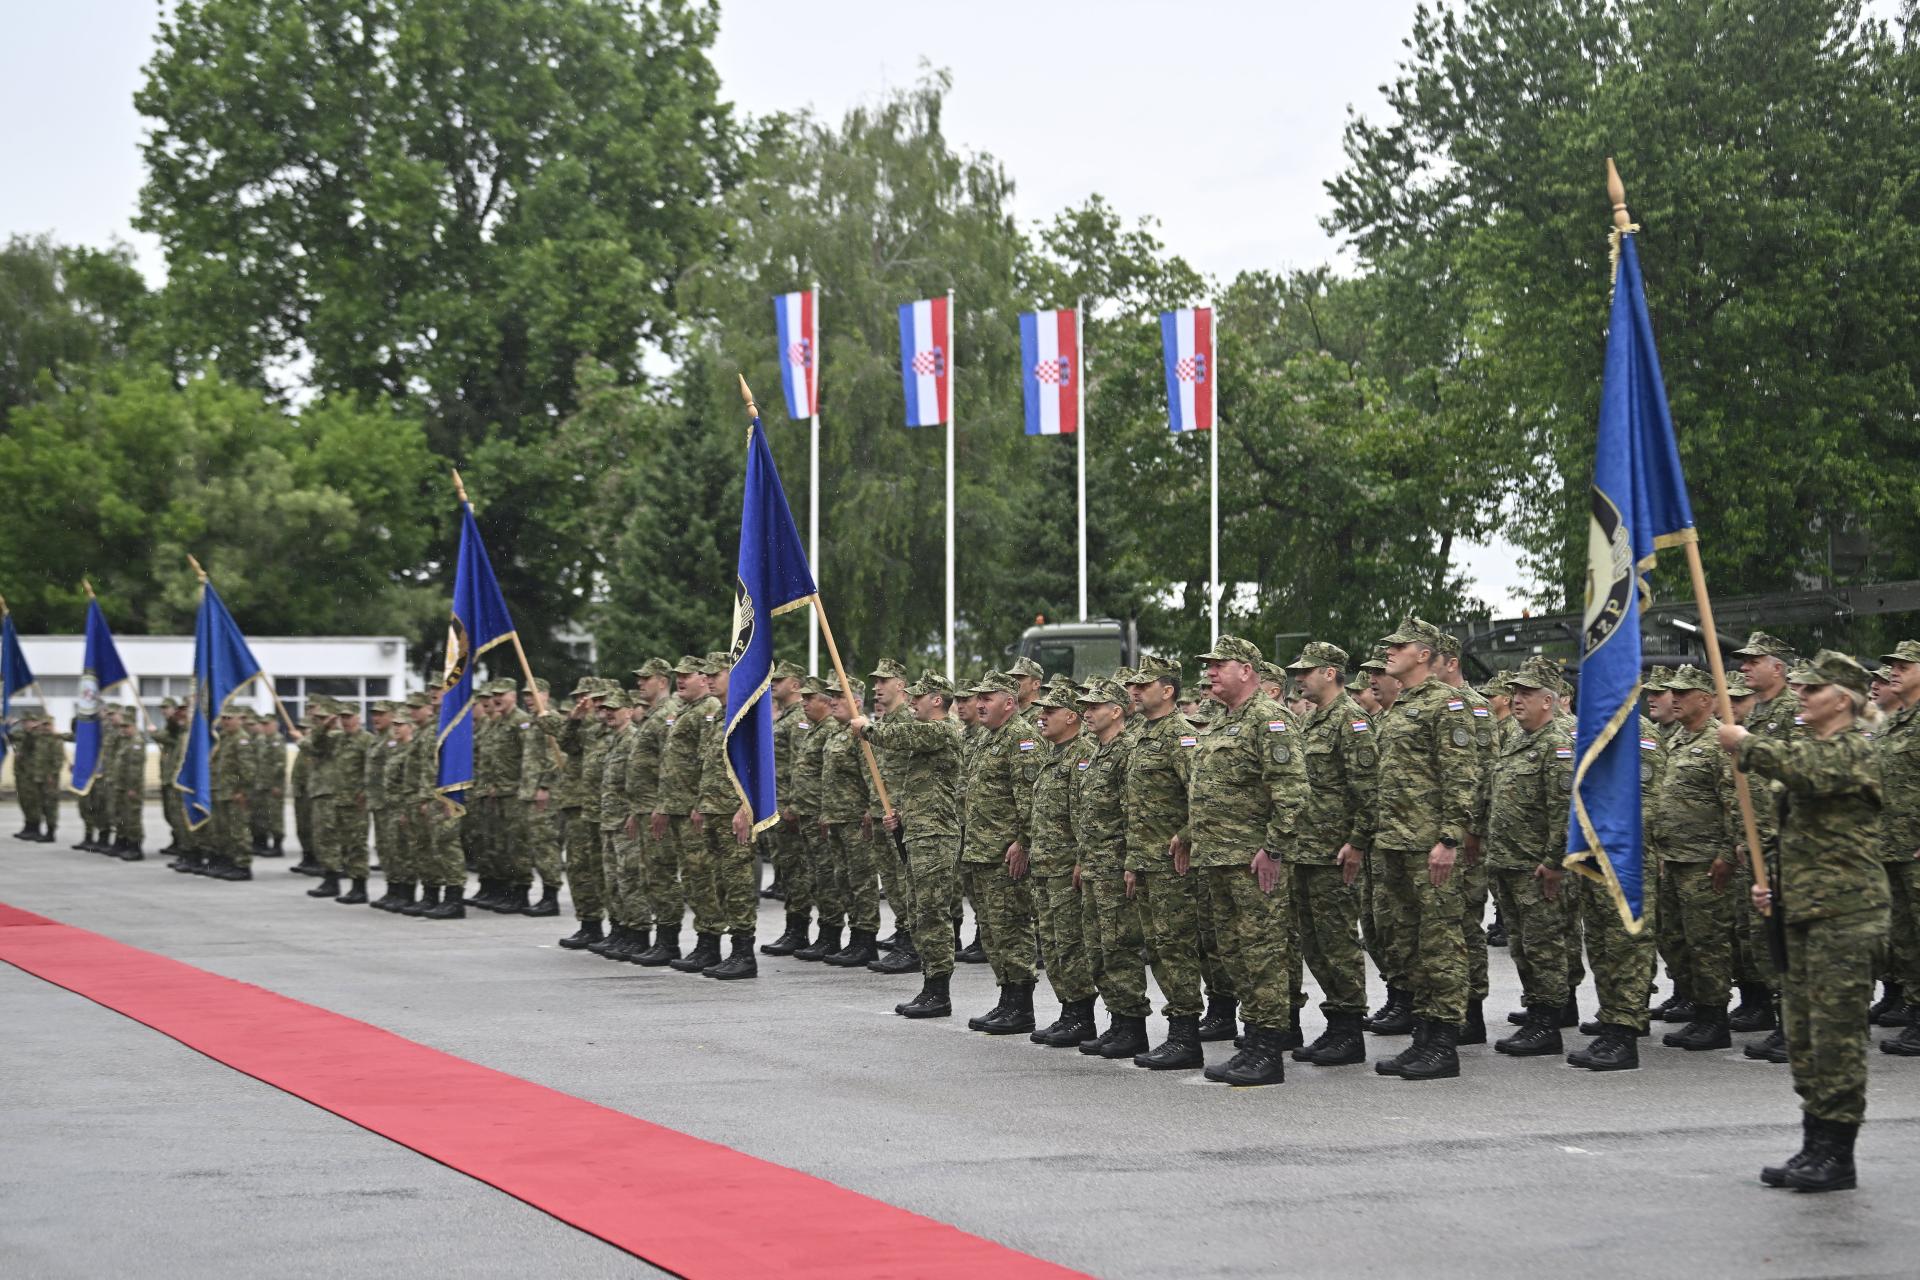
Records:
x=1450, y=842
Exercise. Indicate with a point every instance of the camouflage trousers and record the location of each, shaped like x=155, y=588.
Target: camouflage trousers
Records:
x=1473, y=923
x=1828, y=988
x=1391, y=951
x=1119, y=976
x=896, y=886
x=533, y=845
x=231, y=833
x=1326, y=914
x=436, y=855
x=1701, y=917
x=1003, y=909
x=94, y=809
x=736, y=879
x=260, y=807
x=621, y=880
x=128, y=821
x=50, y=803
x=28, y=792
x=302, y=827
x=1903, y=935
x=492, y=845
x=1060, y=915
x=1429, y=921
x=786, y=849
x=395, y=862
x=171, y=809
x=1169, y=908
x=1752, y=957
x=933, y=863
x=1213, y=966
x=828, y=893
x=698, y=867
x=1622, y=962
x=584, y=871
x=1538, y=935
x=850, y=857
x=1254, y=943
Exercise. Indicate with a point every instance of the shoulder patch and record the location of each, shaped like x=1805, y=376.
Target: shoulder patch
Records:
x=1027, y=744
x=1461, y=737
x=1276, y=726
x=1413, y=713
x=1360, y=726
x=1563, y=753
x=1455, y=704
x=1649, y=744
x=1082, y=765
x=1188, y=740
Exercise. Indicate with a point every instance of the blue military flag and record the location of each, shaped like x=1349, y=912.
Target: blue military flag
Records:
x=15, y=676
x=223, y=668
x=773, y=577
x=1639, y=505
x=480, y=621
x=101, y=672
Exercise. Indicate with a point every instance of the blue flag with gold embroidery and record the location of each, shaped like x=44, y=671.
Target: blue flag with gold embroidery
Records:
x=480, y=621
x=773, y=576
x=223, y=668
x=1638, y=506
x=101, y=673
x=15, y=677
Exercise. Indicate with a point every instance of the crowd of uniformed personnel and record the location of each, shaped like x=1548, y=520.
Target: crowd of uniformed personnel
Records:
x=1231, y=838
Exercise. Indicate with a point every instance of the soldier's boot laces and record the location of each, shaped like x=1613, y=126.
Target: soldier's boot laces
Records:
x=329, y=887
x=1074, y=1026
x=979, y=1023
x=1221, y=1020
x=1392, y=1066
x=1342, y=1044
x=1395, y=1017
x=1129, y=1038
x=548, y=905
x=1775, y=1175
x=904, y=958
x=741, y=961
x=357, y=895
x=513, y=900
x=934, y=1000
x=1436, y=1059
x=1677, y=1008
x=1540, y=1035
x=1754, y=1012
x=1829, y=1160
x=616, y=936
x=1180, y=1051
x=1612, y=1050
x=483, y=896
x=821, y=947
x=1014, y=1016
x=1263, y=1061
x=429, y=898
x=1888, y=1009
x=706, y=951
x=1708, y=1031
x=587, y=934
x=1093, y=1047
x=791, y=939
x=1907, y=1043
x=1774, y=1047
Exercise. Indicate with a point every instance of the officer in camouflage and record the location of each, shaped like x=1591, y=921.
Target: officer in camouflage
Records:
x=1098, y=786
x=579, y=738
x=993, y=857
x=783, y=846
x=804, y=808
x=1765, y=662
x=1058, y=911
x=1696, y=833
x=1899, y=741
x=847, y=805
x=678, y=797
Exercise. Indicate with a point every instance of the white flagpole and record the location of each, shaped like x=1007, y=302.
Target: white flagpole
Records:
x=952, y=374
x=813, y=486
x=1080, y=436
x=1213, y=467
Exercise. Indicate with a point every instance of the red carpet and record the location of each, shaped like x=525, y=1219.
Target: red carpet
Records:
x=694, y=1208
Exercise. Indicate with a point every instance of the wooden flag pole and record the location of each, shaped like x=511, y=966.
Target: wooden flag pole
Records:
x=263, y=675
x=1617, y=195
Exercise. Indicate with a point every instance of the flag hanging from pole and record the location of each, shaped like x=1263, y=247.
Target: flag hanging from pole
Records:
x=480, y=621
x=773, y=576
x=1638, y=506
x=223, y=667
x=926, y=361
x=15, y=677
x=1186, y=342
x=1050, y=371
x=797, y=316
x=101, y=672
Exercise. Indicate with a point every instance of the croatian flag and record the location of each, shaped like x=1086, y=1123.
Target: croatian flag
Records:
x=1050, y=371
x=926, y=361
x=797, y=315
x=1187, y=347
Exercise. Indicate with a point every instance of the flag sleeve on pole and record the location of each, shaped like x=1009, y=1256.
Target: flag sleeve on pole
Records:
x=101, y=673
x=772, y=577
x=480, y=621
x=223, y=667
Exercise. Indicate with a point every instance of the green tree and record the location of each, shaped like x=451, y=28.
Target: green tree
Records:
x=62, y=309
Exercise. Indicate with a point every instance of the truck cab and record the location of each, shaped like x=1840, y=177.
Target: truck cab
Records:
x=1081, y=650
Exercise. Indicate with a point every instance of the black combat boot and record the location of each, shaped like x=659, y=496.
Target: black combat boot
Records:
x=706, y=951
x=1889, y=1005
x=740, y=962
x=1774, y=1047
x=1435, y=1059
x=1221, y=1021
x=1540, y=1035
x=1128, y=1038
x=1614, y=1049
x=232, y=872
x=1708, y=1031
x=1093, y=1047
x=402, y=894
x=1073, y=1027
x=1391, y=1066
x=329, y=887
x=48, y=836
x=513, y=901
x=1474, y=1029
x=1263, y=1061
x=615, y=936
x=775, y=891
x=356, y=896
x=1754, y=1012
x=999, y=1008
x=383, y=903
x=973, y=952
x=1497, y=931
x=791, y=940
x=934, y=1000
x=549, y=904
x=1775, y=1175
x=857, y=954
x=1907, y=1043
x=1597, y=1027
x=279, y=849
x=1828, y=1165
x=1395, y=1017
x=891, y=941
x=1342, y=1044
x=451, y=906
x=482, y=897
x=665, y=949
x=821, y=947
x=86, y=841
x=1676, y=1008
x=639, y=942
x=182, y=861
x=904, y=958
x=130, y=851
x=28, y=831
x=429, y=899
x=1569, y=1013
x=1180, y=1051
x=308, y=865
x=1014, y=1016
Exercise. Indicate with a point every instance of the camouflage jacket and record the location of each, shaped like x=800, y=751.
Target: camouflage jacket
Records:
x=804, y=780
x=419, y=774
x=542, y=765
x=373, y=779
x=612, y=807
x=1337, y=741
x=350, y=759
x=1695, y=815
x=890, y=768
x=269, y=762
x=1429, y=771
x=921, y=760
x=1899, y=743
x=786, y=722
x=643, y=757
x=593, y=773
x=717, y=796
x=130, y=766
x=1779, y=718
x=496, y=770
x=1157, y=778
x=394, y=756
x=1531, y=783
x=229, y=769
x=576, y=738
x=680, y=758
x=1050, y=844
x=1099, y=785
x=1830, y=840
x=1248, y=785
x=999, y=790
x=844, y=789
x=300, y=781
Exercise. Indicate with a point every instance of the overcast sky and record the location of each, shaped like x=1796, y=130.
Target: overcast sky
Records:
x=1220, y=119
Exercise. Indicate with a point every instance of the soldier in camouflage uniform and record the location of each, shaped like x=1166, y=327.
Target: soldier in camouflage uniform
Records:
x=679, y=797
x=783, y=845
x=1325, y=860
x=496, y=773
x=803, y=809
x=399, y=862
x=230, y=770
x=268, y=792
x=620, y=848
x=846, y=813
x=1765, y=662
x=129, y=783
x=726, y=841
x=925, y=756
x=1531, y=782
x=1427, y=783
x=379, y=808
x=432, y=819
x=896, y=885
x=1248, y=786
x=1098, y=783
x=300, y=786
x=26, y=750
x=1833, y=889
x=578, y=736
x=998, y=792
x=603, y=781
x=1899, y=741
x=50, y=760
x=537, y=808
x=642, y=889
x=339, y=782
x=1473, y=868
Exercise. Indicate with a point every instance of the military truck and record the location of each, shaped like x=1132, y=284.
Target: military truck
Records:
x=1080, y=650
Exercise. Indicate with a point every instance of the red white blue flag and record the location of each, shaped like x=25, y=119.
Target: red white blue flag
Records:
x=1187, y=347
x=926, y=361
x=797, y=315
x=1050, y=371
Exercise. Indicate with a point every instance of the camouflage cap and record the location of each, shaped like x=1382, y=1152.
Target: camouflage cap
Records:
x=931, y=682
x=1318, y=653
x=719, y=660
x=1153, y=667
x=1656, y=680
x=782, y=670
x=813, y=687
x=855, y=686
x=1376, y=661
x=1413, y=630
x=653, y=667
x=1232, y=649
x=1905, y=651
x=1762, y=645
x=993, y=682
x=1829, y=666
x=1271, y=673
x=692, y=665
x=616, y=698
x=888, y=669
x=582, y=687
x=417, y=700
x=170, y=704
x=1690, y=679
x=1359, y=682
x=505, y=684
x=1883, y=674
x=1124, y=675
x=1058, y=699
x=1026, y=667
x=1737, y=686
x=1538, y=673
x=1098, y=692
x=1497, y=685
x=540, y=683
x=1449, y=644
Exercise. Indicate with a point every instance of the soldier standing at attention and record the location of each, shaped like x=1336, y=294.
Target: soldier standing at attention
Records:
x=1329, y=851
x=26, y=775
x=846, y=814
x=993, y=857
x=896, y=886
x=402, y=870
x=1028, y=676
x=1899, y=740
x=680, y=780
x=501, y=777
x=604, y=775
x=1056, y=890
x=1099, y=792
x=436, y=826
x=649, y=885
x=129, y=787
x=926, y=750
x=1764, y=663
x=541, y=769
x=578, y=735
x=321, y=788
x=300, y=784
x=1473, y=869
x=967, y=713
x=230, y=772
x=782, y=845
x=379, y=744
x=350, y=802
x=727, y=839
x=1833, y=889
x=802, y=808
x=1425, y=788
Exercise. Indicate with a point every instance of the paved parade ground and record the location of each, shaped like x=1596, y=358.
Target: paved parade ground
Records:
x=123, y=1147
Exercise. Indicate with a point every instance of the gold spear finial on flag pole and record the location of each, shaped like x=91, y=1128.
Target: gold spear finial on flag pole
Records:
x=87, y=587
x=458, y=487
x=746, y=393
x=196, y=567
x=1617, y=193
